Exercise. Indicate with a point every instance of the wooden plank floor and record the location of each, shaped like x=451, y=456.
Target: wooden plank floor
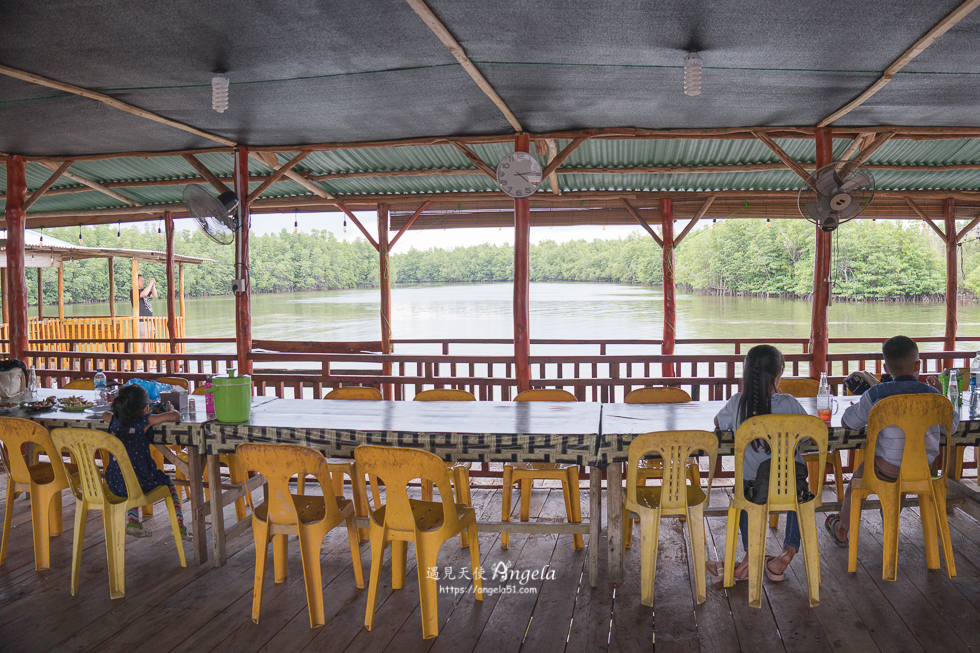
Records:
x=167, y=608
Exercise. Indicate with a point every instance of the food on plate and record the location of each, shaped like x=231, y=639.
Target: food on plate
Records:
x=75, y=402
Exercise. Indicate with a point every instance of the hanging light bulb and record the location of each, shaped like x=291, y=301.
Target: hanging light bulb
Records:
x=219, y=93
x=345, y=225
x=692, y=74
x=159, y=233
x=714, y=221
x=874, y=222
x=118, y=232
x=295, y=221
x=79, y=236
x=768, y=224
x=52, y=259
x=603, y=227
x=42, y=235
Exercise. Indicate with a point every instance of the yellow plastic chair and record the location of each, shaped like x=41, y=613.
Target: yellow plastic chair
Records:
x=340, y=466
x=674, y=498
x=653, y=468
x=308, y=517
x=426, y=523
x=459, y=471
x=800, y=388
x=174, y=380
x=914, y=414
x=525, y=473
x=44, y=480
x=782, y=433
x=79, y=384
x=91, y=493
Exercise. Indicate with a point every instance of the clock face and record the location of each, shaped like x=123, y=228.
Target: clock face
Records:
x=519, y=174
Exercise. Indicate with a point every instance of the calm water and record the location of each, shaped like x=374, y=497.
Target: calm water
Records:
x=558, y=310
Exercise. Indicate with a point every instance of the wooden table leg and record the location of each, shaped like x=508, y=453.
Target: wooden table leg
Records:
x=614, y=520
x=195, y=479
x=217, y=511
x=595, y=523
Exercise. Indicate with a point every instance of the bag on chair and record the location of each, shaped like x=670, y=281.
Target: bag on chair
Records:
x=757, y=491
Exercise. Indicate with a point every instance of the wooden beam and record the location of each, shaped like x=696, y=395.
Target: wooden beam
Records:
x=43, y=188
x=854, y=146
x=111, y=101
x=697, y=216
x=476, y=160
x=408, y=225
x=443, y=34
x=903, y=60
x=357, y=223
x=965, y=230
x=925, y=218
x=94, y=185
x=294, y=175
x=865, y=153
x=209, y=176
x=781, y=154
x=553, y=177
x=562, y=156
x=639, y=218
x=282, y=170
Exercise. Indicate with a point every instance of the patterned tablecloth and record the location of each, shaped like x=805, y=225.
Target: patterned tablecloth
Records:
x=458, y=431
x=623, y=422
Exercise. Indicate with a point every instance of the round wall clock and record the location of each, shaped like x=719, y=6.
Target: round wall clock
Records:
x=519, y=174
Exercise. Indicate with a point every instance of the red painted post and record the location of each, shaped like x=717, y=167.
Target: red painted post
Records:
x=385, y=295
x=522, y=277
x=819, y=329
x=16, y=280
x=670, y=295
x=243, y=300
x=949, y=342
x=168, y=226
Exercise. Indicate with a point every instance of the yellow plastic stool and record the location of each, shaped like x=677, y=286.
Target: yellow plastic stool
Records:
x=426, y=523
x=91, y=493
x=525, y=473
x=79, y=384
x=45, y=482
x=308, y=517
x=674, y=497
x=782, y=433
x=914, y=414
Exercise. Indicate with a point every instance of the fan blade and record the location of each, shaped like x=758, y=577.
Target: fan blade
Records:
x=852, y=210
x=863, y=179
x=825, y=184
x=820, y=209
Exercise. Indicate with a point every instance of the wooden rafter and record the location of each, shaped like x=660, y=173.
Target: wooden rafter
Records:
x=965, y=230
x=43, y=188
x=639, y=218
x=781, y=154
x=269, y=159
x=111, y=101
x=866, y=152
x=562, y=156
x=697, y=216
x=282, y=170
x=553, y=177
x=408, y=225
x=919, y=212
x=476, y=160
x=443, y=34
x=94, y=185
x=209, y=176
x=357, y=223
x=854, y=146
x=903, y=60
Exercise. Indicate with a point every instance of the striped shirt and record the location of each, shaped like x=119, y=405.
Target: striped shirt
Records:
x=891, y=439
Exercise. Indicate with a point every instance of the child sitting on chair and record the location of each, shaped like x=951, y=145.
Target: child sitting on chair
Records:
x=132, y=422
x=902, y=362
x=760, y=395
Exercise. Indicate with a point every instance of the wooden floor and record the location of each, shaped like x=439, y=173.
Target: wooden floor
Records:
x=167, y=608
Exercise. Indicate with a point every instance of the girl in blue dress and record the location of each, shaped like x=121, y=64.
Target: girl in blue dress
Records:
x=132, y=422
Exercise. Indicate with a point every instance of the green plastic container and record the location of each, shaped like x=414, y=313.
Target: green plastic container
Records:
x=232, y=397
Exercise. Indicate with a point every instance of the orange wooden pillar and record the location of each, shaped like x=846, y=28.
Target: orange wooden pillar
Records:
x=383, y=249
x=819, y=330
x=112, y=287
x=168, y=225
x=243, y=299
x=949, y=214
x=16, y=280
x=670, y=294
x=522, y=279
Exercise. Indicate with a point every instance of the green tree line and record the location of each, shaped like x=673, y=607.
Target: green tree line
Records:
x=890, y=260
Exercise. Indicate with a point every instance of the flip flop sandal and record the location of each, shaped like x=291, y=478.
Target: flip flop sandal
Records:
x=771, y=576
x=831, y=524
x=721, y=573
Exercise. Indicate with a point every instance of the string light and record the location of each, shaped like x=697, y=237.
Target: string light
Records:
x=79, y=236
x=42, y=235
x=874, y=222
x=768, y=224
x=345, y=225
x=295, y=221
x=714, y=221
x=159, y=232
x=118, y=232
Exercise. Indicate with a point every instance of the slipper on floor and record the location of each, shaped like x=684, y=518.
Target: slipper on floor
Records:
x=771, y=576
x=831, y=524
x=719, y=573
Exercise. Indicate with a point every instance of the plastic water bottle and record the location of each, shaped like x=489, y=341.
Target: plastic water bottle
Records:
x=974, y=383
x=953, y=388
x=32, y=384
x=100, y=388
x=824, y=399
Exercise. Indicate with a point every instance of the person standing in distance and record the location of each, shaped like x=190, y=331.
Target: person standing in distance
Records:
x=147, y=292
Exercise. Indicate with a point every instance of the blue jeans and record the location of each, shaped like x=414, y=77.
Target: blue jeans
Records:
x=791, y=539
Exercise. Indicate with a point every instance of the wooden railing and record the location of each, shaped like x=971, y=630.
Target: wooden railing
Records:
x=101, y=334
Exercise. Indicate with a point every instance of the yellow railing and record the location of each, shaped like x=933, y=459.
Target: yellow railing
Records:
x=84, y=330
